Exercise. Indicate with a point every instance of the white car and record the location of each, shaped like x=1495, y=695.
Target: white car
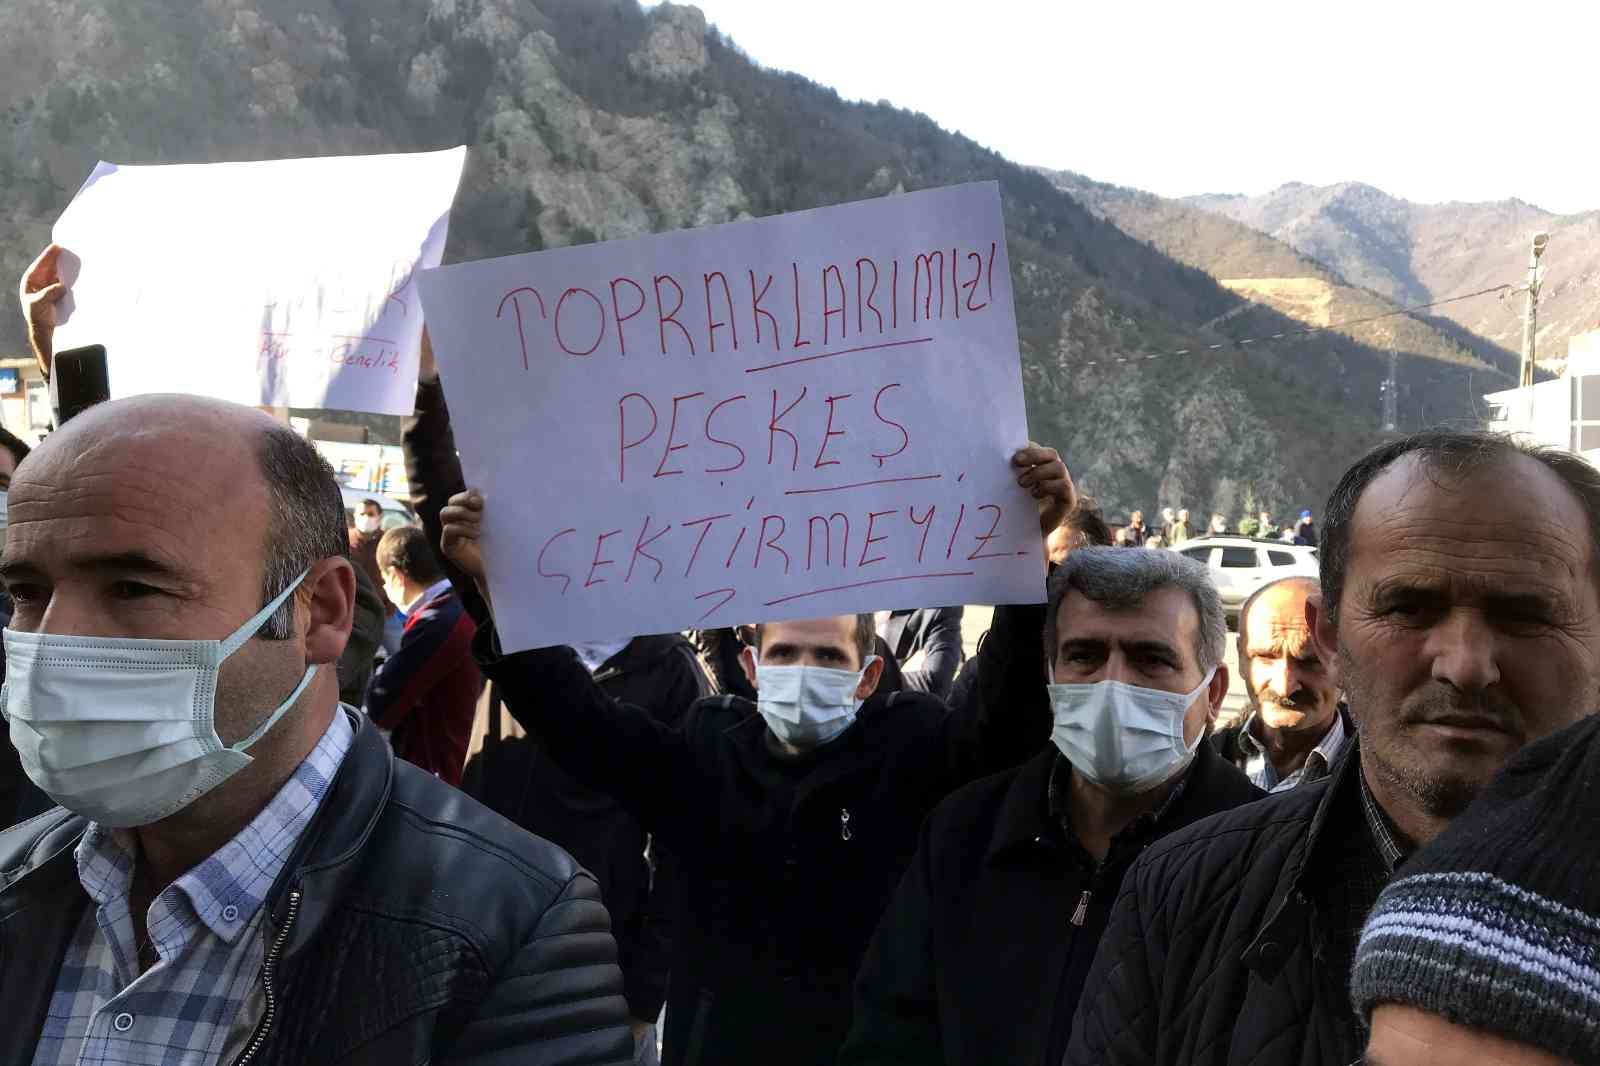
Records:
x=1240, y=565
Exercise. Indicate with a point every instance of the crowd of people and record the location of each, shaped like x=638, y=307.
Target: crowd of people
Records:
x=1175, y=529
x=242, y=838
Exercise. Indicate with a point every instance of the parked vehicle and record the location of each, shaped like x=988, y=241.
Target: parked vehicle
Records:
x=1240, y=565
x=395, y=513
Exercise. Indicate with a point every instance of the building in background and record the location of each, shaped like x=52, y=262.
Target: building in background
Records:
x=1561, y=413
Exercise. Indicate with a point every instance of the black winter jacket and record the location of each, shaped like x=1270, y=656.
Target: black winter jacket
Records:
x=787, y=861
x=517, y=778
x=983, y=952
x=1217, y=949
x=410, y=925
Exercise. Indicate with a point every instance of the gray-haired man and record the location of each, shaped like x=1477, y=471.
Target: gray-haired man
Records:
x=982, y=955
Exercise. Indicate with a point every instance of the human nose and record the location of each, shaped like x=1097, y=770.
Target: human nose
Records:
x=1463, y=652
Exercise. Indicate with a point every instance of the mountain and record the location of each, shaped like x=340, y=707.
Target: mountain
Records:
x=594, y=119
x=1417, y=253
x=1268, y=271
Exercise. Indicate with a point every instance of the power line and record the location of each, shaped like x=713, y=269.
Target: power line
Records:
x=1295, y=334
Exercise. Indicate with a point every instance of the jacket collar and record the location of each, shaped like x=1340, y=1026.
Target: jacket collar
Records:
x=1290, y=902
x=1024, y=821
x=324, y=861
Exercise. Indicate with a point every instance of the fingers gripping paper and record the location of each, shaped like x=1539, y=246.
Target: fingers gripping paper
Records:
x=285, y=283
x=799, y=416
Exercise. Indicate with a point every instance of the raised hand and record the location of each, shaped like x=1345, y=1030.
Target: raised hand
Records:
x=39, y=293
x=1041, y=471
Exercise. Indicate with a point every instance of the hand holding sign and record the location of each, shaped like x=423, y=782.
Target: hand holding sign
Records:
x=1044, y=475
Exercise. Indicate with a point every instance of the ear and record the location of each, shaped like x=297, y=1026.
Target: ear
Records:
x=1217, y=692
x=747, y=662
x=1324, y=631
x=329, y=592
x=869, y=679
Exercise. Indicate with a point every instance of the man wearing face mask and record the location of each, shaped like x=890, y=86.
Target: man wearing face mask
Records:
x=425, y=695
x=791, y=821
x=238, y=851
x=983, y=952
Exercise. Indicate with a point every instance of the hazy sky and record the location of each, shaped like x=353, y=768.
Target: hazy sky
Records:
x=1429, y=101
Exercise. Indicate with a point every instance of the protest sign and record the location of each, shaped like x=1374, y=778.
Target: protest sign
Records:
x=797, y=416
x=286, y=283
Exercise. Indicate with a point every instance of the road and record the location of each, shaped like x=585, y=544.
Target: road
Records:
x=975, y=622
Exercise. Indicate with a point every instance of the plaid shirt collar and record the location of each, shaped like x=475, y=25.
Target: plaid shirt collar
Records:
x=1381, y=828
x=1264, y=775
x=224, y=892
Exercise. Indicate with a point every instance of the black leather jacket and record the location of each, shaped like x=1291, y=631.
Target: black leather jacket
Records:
x=411, y=925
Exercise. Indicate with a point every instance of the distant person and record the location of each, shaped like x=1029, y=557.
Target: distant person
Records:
x=1084, y=527
x=364, y=538
x=1180, y=529
x=1124, y=538
x=1155, y=540
x=926, y=644
x=1297, y=727
x=1169, y=518
x=982, y=954
x=425, y=695
x=1482, y=952
x=1264, y=527
x=1305, y=530
x=1136, y=530
x=1219, y=524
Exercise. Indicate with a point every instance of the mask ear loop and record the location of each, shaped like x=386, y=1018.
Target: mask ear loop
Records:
x=243, y=635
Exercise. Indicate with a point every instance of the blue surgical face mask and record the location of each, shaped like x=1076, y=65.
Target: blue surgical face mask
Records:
x=1125, y=738
x=805, y=706
x=123, y=731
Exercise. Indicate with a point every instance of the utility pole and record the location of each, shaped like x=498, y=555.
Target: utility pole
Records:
x=1530, y=310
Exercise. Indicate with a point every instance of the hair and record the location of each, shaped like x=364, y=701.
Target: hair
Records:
x=1446, y=454
x=864, y=635
x=306, y=520
x=13, y=444
x=1250, y=600
x=1120, y=579
x=406, y=549
x=369, y=501
x=1088, y=525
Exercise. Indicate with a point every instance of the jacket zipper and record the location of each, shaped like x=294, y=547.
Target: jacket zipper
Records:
x=1082, y=912
x=269, y=966
x=844, y=824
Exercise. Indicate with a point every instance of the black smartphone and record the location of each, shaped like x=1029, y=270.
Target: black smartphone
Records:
x=80, y=380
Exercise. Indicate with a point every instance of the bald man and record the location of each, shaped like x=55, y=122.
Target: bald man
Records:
x=237, y=857
x=1297, y=725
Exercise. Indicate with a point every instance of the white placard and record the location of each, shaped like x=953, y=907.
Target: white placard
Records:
x=798, y=416
x=287, y=283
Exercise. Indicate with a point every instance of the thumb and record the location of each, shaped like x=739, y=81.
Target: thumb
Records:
x=50, y=294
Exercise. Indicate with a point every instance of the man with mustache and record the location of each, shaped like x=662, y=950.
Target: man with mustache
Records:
x=1297, y=727
x=1461, y=609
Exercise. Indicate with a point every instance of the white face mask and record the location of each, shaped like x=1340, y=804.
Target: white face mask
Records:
x=394, y=590
x=123, y=731
x=368, y=523
x=1124, y=738
x=805, y=706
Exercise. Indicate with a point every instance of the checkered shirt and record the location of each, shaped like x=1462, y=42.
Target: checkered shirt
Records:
x=204, y=929
x=1264, y=775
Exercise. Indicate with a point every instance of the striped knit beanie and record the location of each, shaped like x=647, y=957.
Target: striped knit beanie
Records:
x=1496, y=924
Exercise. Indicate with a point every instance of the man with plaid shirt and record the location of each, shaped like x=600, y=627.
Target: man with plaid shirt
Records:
x=241, y=871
